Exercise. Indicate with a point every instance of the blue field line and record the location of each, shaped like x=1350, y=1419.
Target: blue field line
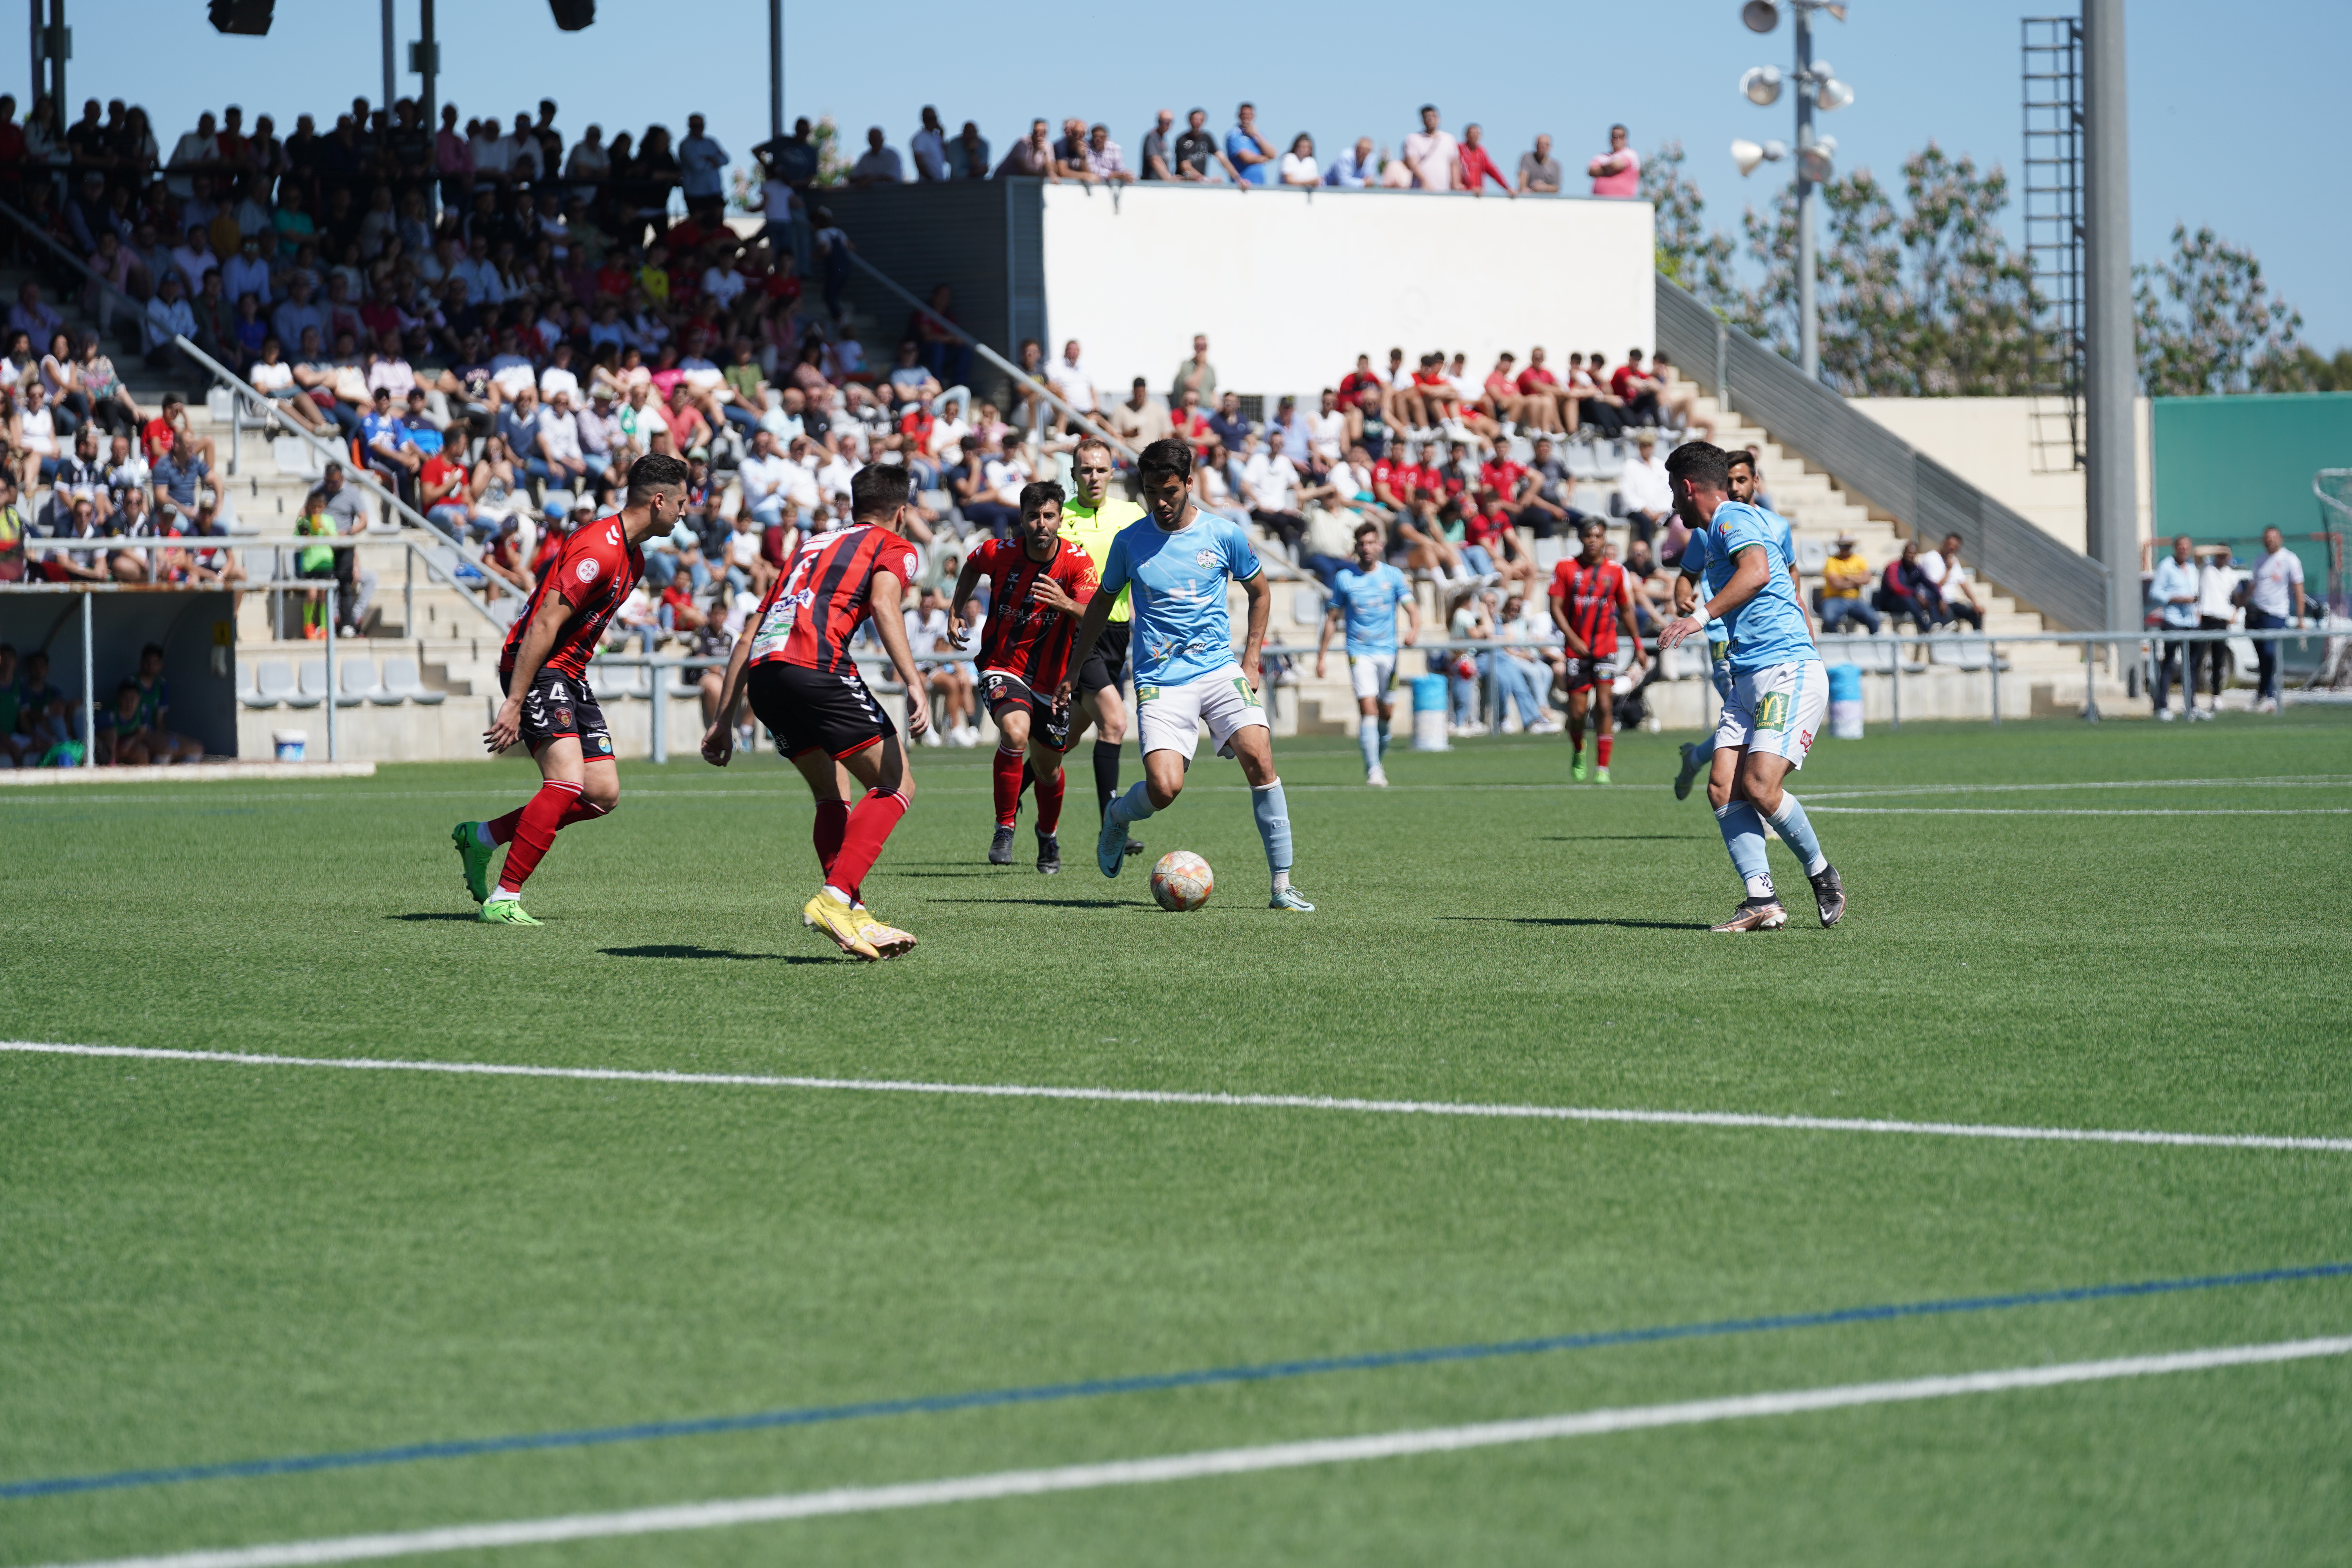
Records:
x=810, y=1415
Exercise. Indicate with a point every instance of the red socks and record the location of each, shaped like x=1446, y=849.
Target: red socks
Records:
x=1601, y=749
x=1049, y=802
x=502, y=829
x=1007, y=775
x=869, y=824
x=533, y=830
x=832, y=821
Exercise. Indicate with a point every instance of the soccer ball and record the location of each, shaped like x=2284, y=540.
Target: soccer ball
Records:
x=1182, y=880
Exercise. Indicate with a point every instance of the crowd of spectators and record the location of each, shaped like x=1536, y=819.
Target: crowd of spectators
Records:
x=40, y=727
x=1428, y=158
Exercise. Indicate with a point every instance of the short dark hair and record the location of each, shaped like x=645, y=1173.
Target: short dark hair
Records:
x=655, y=471
x=1364, y=528
x=154, y=647
x=1163, y=458
x=1700, y=463
x=878, y=489
x=1739, y=460
x=1037, y=492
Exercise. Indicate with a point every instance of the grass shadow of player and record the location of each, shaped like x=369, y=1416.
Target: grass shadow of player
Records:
x=436, y=915
x=1581, y=920
x=1102, y=903
x=1613, y=838
x=686, y=949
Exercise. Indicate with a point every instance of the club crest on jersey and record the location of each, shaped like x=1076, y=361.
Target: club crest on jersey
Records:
x=588, y=568
x=1207, y=558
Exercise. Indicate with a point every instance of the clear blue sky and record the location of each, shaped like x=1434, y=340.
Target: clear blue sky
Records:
x=2216, y=120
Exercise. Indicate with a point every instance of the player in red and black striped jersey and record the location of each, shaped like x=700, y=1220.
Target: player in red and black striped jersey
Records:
x=1592, y=597
x=794, y=661
x=548, y=705
x=1039, y=583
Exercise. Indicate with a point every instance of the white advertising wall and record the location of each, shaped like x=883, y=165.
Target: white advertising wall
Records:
x=1291, y=285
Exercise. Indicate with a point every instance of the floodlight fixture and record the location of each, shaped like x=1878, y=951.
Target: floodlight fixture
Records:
x=1832, y=93
x=1816, y=163
x=1761, y=15
x=1748, y=154
x=1761, y=85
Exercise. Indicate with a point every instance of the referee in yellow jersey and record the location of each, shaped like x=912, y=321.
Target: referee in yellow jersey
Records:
x=1092, y=519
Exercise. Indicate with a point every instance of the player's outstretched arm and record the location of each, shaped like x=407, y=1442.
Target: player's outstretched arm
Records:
x=718, y=741
x=1323, y=640
x=1411, y=633
x=1804, y=607
x=1625, y=620
x=1090, y=630
x=1261, y=605
x=891, y=627
x=538, y=641
x=959, y=624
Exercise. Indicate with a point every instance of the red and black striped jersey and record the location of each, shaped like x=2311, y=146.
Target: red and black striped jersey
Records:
x=592, y=572
x=816, y=606
x=1589, y=596
x=1023, y=638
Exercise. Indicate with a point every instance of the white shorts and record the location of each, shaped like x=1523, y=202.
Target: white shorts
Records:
x=1776, y=710
x=1169, y=717
x=1374, y=673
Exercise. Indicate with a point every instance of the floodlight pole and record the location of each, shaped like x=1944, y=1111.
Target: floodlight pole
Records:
x=2111, y=478
x=390, y=66
x=776, y=70
x=1809, y=308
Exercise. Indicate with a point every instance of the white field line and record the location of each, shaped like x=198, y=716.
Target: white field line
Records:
x=2277, y=781
x=1212, y=1462
x=1240, y=1101
x=2075, y=811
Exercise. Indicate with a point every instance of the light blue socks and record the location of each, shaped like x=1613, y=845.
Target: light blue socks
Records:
x=1384, y=737
x=1273, y=814
x=1135, y=804
x=1796, y=831
x=1371, y=739
x=1743, y=835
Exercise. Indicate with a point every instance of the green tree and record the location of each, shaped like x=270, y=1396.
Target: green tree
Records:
x=2208, y=324
x=1924, y=301
x=1687, y=251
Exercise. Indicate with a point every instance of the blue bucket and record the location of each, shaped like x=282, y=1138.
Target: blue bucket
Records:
x=1845, y=683
x=1429, y=694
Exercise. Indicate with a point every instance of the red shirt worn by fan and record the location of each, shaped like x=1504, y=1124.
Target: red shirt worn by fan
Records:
x=593, y=571
x=1023, y=638
x=1592, y=594
x=812, y=611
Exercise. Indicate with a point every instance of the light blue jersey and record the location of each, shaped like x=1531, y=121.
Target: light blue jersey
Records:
x=1176, y=583
x=1769, y=628
x=1714, y=571
x=1370, y=600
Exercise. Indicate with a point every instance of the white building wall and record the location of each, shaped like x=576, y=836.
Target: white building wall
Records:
x=1290, y=285
x=1989, y=441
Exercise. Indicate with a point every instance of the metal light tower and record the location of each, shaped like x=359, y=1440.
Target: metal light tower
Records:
x=2111, y=450
x=1817, y=87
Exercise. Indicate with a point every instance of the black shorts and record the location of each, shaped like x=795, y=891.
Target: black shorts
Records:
x=808, y=709
x=1595, y=671
x=562, y=706
x=1108, y=662
x=999, y=690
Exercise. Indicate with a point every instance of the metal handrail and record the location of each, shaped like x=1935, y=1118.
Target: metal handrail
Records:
x=1868, y=460
x=222, y=372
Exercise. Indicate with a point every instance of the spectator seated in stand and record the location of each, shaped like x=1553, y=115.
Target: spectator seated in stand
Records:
x=1905, y=593
x=1845, y=576
x=1942, y=567
x=1647, y=494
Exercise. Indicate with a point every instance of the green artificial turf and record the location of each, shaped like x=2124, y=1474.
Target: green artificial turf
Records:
x=205, y=1262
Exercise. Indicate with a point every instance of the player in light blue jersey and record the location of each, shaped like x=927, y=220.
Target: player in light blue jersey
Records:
x=1703, y=572
x=1175, y=564
x=1366, y=597
x=1779, y=689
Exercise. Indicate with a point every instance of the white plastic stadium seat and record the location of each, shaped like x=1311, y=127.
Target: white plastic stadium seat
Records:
x=313, y=689
x=1813, y=555
x=273, y=680
x=1307, y=606
x=357, y=678
x=1964, y=652
x=402, y=684
x=623, y=681
x=297, y=457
